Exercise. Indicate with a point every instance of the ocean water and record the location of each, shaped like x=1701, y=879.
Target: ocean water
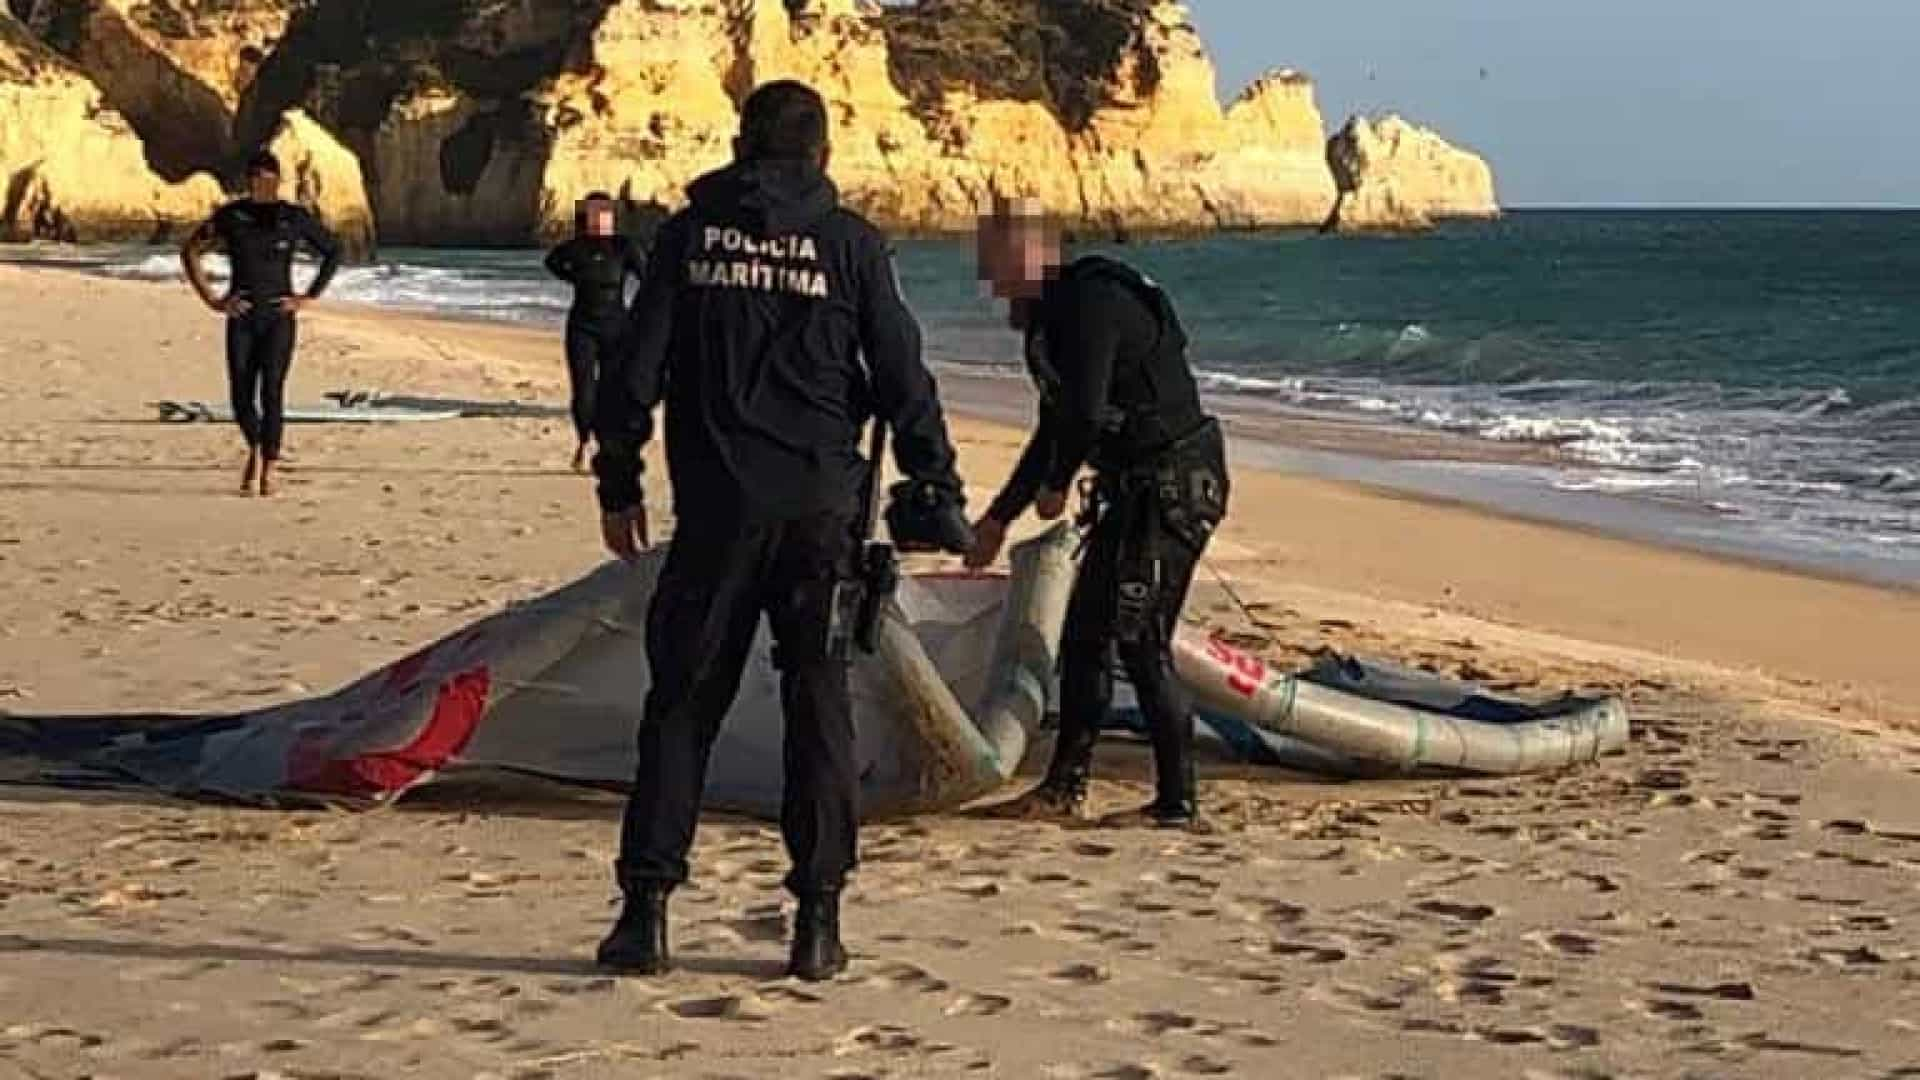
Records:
x=1756, y=373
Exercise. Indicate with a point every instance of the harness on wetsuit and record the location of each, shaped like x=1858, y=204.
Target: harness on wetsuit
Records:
x=1159, y=461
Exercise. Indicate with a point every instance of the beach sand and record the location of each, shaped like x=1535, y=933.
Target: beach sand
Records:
x=1737, y=895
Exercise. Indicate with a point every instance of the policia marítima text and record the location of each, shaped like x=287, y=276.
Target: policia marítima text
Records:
x=1116, y=393
x=770, y=323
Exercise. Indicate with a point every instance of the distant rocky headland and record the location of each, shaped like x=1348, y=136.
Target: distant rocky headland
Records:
x=479, y=122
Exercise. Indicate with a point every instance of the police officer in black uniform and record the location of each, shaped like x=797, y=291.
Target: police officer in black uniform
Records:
x=1109, y=357
x=597, y=262
x=260, y=235
x=771, y=324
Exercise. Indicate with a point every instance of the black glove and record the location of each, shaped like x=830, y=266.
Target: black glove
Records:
x=924, y=516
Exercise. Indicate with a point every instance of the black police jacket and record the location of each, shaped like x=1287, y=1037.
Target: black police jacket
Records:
x=771, y=324
x=1109, y=355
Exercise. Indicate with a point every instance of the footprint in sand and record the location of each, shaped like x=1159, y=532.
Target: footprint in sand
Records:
x=979, y=1005
x=1664, y=1009
x=1726, y=991
x=888, y=1038
x=1123, y=1072
x=787, y=995
x=1760, y=1040
x=1312, y=954
x=1102, y=935
x=1360, y=998
x=53, y=1036
x=1507, y=1036
x=1457, y=912
x=1858, y=956
x=977, y=888
x=746, y=1008
x=1563, y=944
x=1081, y=974
x=759, y=926
x=1158, y=1024
x=904, y=976
x=578, y=987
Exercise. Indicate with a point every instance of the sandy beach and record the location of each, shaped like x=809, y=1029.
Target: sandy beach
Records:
x=1735, y=896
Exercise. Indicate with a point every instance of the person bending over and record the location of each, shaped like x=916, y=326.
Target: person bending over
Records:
x=1116, y=393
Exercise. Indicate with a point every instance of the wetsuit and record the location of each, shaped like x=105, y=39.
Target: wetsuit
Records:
x=597, y=267
x=771, y=324
x=1109, y=356
x=260, y=240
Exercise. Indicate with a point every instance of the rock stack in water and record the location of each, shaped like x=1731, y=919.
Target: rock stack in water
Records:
x=481, y=123
x=1397, y=177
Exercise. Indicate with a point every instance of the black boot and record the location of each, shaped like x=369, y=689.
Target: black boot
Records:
x=817, y=952
x=1177, y=806
x=638, y=943
x=1062, y=795
x=1176, y=802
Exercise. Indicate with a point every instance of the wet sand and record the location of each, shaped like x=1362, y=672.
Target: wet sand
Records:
x=1734, y=896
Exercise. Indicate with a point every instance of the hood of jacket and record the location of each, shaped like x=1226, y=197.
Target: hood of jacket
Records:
x=772, y=198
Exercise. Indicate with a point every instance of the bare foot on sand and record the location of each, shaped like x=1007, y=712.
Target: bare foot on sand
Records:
x=580, y=458
x=266, y=478
x=252, y=470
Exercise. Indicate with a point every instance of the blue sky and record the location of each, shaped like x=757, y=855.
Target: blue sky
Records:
x=1710, y=102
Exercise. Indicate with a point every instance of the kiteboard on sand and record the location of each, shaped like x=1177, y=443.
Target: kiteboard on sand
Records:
x=466, y=407
x=369, y=407
x=200, y=412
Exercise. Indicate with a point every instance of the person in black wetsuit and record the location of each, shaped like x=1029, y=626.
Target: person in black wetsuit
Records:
x=260, y=235
x=771, y=323
x=1109, y=357
x=597, y=262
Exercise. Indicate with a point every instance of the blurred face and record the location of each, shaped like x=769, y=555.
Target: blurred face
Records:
x=263, y=186
x=599, y=216
x=1018, y=249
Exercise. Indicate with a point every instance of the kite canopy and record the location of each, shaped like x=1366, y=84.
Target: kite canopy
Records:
x=945, y=707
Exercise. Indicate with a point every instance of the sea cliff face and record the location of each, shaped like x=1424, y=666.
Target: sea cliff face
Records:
x=71, y=168
x=482, y=121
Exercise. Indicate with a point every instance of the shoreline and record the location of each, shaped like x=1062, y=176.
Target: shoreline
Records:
x=1528, y=479
x=1509, y=479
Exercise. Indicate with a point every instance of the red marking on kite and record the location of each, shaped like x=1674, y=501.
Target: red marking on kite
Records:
x=457, y=709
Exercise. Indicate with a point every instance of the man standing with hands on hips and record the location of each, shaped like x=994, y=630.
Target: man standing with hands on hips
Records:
x=771, y=324
x=260, y=235
x=1108, y=354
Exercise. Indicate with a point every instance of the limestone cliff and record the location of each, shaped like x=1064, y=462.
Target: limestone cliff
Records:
x=324, y=176
x=72, y=169
x=177, y=69
x=481, y=121
x=1396, y=176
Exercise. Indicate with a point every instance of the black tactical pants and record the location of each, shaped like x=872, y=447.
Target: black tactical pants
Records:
x=720, y=577
x=1150, y=530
